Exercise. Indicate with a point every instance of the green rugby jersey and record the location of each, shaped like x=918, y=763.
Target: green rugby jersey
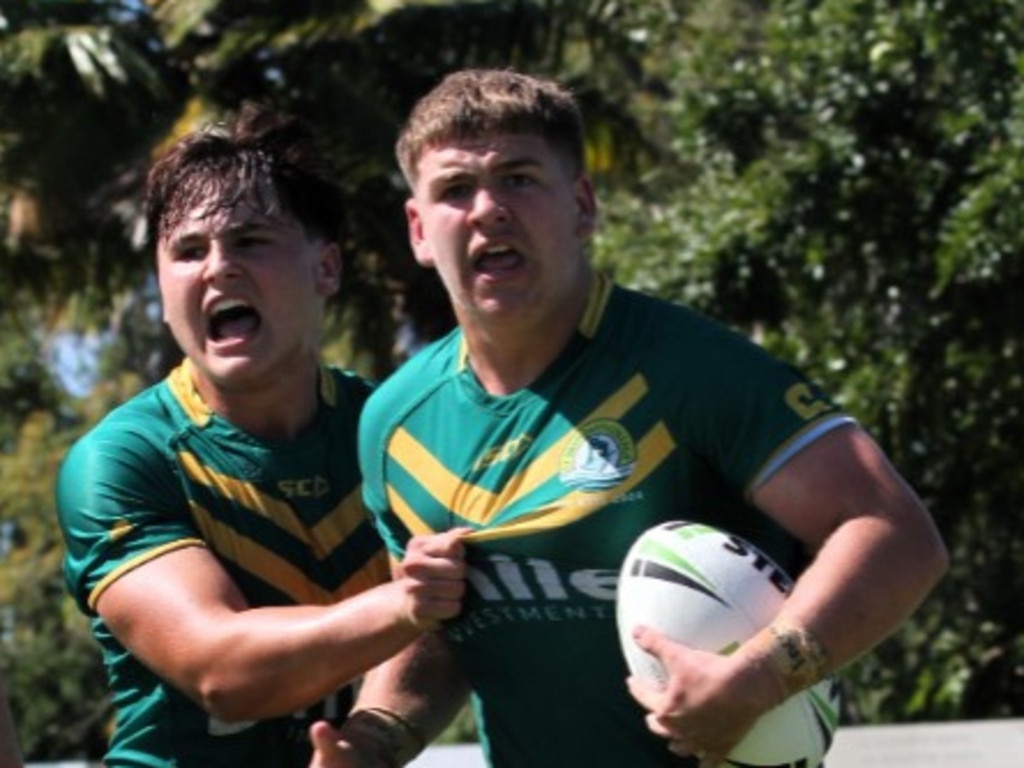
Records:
x=286, y=520
x=652, y=413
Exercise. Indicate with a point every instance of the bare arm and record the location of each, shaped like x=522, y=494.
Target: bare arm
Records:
x=877, y=551
x=403, y=704
x=422, y=685
x=877, y=554
x=183, y=616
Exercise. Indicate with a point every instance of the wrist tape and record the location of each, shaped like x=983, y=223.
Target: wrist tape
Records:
x=390, y=737
x=798, y=656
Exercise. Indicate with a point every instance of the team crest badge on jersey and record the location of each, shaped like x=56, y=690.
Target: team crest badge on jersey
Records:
x=600, y=456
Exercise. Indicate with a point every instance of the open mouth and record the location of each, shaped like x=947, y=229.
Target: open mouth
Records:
x=232, y=319
x=498, y=259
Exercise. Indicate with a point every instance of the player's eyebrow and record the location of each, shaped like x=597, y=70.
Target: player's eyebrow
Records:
x=195, y=231
x=458, y=172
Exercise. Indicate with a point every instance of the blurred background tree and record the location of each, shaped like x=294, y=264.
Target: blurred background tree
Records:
x=853, y=197
x=840, y=178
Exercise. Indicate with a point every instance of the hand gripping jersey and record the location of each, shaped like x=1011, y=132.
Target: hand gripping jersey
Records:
x=652, y=413
x=286, y=520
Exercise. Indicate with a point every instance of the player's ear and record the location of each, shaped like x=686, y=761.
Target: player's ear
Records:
x=329, y=269
x=417, y=236
x=586, y=207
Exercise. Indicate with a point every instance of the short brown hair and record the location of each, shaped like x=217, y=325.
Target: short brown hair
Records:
x=478, y=102
x=267, y=159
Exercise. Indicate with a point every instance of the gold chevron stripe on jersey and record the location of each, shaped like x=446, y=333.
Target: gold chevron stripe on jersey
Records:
x=275, y=570
x=480, y=506
x=339, y=524
x=323, y=538
x=547, y=465
x=473, y=502
x=652, y=449
x=258, y=560
x=241, y=492
x=405, y=513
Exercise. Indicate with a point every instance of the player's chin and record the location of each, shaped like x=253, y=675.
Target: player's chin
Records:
x=229, y=372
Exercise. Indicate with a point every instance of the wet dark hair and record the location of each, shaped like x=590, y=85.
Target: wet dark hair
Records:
x=478, y=102
x=258, y=157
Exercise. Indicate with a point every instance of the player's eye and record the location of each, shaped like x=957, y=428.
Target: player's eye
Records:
x=518, y=180
x=189, y=252
x=455, y=191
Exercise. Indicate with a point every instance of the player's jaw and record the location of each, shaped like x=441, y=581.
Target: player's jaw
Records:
x=231, y=362
x=237, y=342
x=496, y=273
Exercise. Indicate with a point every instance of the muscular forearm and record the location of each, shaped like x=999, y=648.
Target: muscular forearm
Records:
x=877, y=553
x=864, y=583
x=862, y=586
x=422, y=683
x=268, y=662
x=406, y=703
x=183, y=617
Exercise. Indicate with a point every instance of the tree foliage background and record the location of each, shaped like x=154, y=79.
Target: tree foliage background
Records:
x=842, y=179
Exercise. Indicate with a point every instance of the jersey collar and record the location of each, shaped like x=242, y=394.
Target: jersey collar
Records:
x=182, y=384
x=599, y=293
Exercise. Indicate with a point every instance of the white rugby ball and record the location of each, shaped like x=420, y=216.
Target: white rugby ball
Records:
x=712, y=590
